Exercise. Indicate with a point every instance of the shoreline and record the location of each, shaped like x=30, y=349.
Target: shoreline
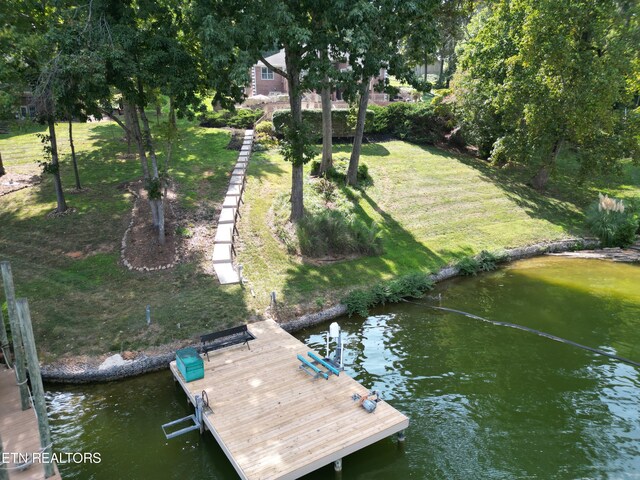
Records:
x=117, y=368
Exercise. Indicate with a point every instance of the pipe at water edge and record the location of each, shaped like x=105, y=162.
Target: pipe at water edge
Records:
x=531, y=330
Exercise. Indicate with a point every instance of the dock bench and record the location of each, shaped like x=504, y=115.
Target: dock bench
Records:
x=226, y=338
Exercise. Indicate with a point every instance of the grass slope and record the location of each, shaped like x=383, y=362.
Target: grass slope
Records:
x=92, y=304
x=433, y=207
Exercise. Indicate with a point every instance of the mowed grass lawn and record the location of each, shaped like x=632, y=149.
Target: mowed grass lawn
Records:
x=92, y=304
x=433, y=208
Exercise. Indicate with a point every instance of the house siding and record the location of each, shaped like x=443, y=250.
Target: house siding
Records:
x=265, y=87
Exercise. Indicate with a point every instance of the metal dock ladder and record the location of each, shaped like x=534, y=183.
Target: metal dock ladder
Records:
x=196, y=419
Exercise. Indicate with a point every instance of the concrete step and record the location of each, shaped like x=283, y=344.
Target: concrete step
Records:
x=226, y=273
x=227, y=215
x=224, y=233
x=237, y=180
x=231, y=202
x=222, y=253
x=234, y=190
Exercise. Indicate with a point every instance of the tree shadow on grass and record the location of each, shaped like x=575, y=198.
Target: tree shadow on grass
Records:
x=560, y=205
x=368, y=149
x=260, y=167
x=89, y=294
x=403, y=254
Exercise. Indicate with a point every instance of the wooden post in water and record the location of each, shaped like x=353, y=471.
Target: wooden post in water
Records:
x=4, y=474
x=39, y=402
x=4, y=340
x=18, y=351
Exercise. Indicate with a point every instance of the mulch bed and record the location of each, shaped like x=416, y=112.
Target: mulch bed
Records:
x=142, y=249
x=11, y=182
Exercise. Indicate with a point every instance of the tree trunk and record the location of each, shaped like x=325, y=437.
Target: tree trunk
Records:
x=73, y=157
x=426, y=62
x=352, y=173
x=451, y=65
x=2, y=170
x=327, y=128
x=158, y=202
x=61, y=204
x=539, y=181
x=441, y=73
x=173, y=129
x=137, y=136
x=129, y=123
x=327, y=132
x=295, y=102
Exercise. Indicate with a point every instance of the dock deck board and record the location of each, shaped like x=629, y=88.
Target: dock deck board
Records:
x=19, y=428
x=274, y=421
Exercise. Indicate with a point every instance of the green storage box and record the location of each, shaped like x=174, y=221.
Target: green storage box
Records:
x=190, y=364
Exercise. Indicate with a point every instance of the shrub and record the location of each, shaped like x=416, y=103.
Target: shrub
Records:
x=331, y=232
x=325, y=188
x=265, y=127
x=339, y=170
x=612, y=223
x=265, y=135
x=239, y=118
x=342, y=126
x=412, y=285
x=380, y=121
x=483, y=262
x=330, y=225
x=415, y=122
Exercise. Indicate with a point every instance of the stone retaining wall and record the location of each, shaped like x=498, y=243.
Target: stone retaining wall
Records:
x=149, y=363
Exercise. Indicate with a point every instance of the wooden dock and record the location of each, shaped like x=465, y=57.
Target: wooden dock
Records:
x=19, y=428
x=272, y=419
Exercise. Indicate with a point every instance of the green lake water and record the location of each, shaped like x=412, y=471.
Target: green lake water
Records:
x=484, y=401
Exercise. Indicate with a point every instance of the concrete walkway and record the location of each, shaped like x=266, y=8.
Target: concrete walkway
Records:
x=226, y=232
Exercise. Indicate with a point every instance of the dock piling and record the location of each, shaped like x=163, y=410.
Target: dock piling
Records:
x=4, y=474
x=337, y=465
x=401, y=437
x=39, y=402
x=18, y=350
x=4, y=342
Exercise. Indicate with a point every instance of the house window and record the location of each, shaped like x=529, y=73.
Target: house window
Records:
x=267, y=73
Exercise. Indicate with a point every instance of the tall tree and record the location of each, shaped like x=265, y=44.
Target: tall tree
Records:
x=539, y=75
x=148, y=48
x=373, y=34
x=34, y=65
x=240, y=31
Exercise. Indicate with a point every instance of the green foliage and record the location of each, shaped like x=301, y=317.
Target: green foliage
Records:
x=338, y=172
x=265, y=136
x=342, y=124
x=331, y=232
x=412, y=285
x=184, y=231
x=265, y=127
x=413, y=122
x=154, y=188
x=7, y=106
x=296, y=146
x=330, y=226
x=239, y=118
x=47, y=165
x=483, y=262
x=538, y=74
x=613, y=228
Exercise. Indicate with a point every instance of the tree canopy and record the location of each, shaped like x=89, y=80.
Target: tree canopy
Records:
x=537, y=75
